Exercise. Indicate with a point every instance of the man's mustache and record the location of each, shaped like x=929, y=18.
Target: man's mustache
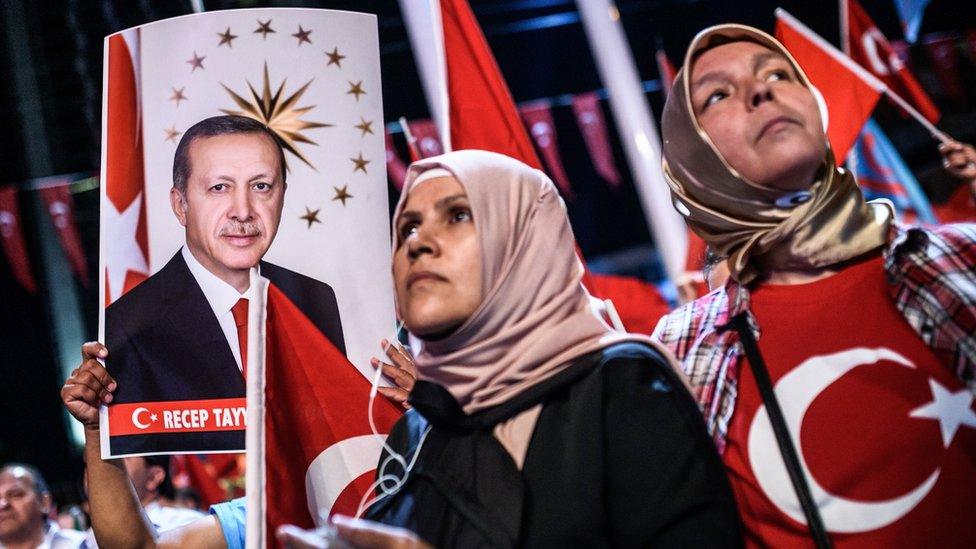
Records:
x=240, y=229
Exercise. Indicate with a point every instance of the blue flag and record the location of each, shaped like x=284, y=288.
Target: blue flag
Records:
x=881, y=173
x=911, y=13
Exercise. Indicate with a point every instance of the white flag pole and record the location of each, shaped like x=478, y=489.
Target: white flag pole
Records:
x=426, y=31
x=254, y=483
x=638, y=133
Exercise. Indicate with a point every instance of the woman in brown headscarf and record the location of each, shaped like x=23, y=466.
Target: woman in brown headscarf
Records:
x=532, y=423
x=831, y=284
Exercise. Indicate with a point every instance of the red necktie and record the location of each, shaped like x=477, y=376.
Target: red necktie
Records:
x=240, y=318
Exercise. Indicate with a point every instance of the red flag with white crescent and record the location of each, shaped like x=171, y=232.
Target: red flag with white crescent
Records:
x=426, y=139
x=589, y=117
x=538, y=119
x=868, y=47
x=61, y=207
x=12, y=239
x=127, y=255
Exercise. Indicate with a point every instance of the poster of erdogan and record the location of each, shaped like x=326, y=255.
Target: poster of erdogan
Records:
x=244, y=231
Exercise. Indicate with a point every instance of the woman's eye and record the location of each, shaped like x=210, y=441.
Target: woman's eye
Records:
x=461, y=216
x=775, y=76
x=715, y=97
x=407, y=230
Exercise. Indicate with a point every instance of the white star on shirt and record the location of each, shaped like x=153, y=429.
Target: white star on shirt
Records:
x=124, y=253
x=950, y=409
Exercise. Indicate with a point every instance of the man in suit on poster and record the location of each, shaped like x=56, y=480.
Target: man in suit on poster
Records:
x=181, y=334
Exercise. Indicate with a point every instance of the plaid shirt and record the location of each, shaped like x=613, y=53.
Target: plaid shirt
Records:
x=931, y=275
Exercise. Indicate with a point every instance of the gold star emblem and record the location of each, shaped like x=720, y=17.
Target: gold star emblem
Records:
x=178, y=96
x=312, y=216
x=302, y=35
x=341, y=194
x=356, y=89
x=364, y=126
x=335, y=58
x=264, y=29
x=281, y=116
x=226, y=38
x=172, y=133
x=196, y=62
x=360, y=163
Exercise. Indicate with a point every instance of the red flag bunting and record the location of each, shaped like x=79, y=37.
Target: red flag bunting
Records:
x=396, y=170
x=589, y=117
x=538, y=119
x=127, y=255
x=12, y=239
x=870, y=48
x=666, y=71
x=945, y=61
x=60, y=206
x=428, y=142
x=845, y=88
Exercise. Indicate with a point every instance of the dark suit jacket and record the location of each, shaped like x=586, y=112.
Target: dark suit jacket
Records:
x=166, y=344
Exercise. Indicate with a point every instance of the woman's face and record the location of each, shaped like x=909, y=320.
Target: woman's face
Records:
x=763, y=120
x=437, y=262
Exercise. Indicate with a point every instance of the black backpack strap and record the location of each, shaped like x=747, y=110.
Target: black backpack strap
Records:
x=790, y=457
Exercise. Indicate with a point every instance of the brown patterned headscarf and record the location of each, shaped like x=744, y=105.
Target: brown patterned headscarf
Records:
x=760, y=228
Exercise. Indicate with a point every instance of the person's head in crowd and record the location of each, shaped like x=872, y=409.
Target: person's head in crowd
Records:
x=25, y=504
x=151, y=478
x=73, y=517
x=749, y=164
x=228, y=192
x=715, y=270
x=486, y=274
x=187, y=498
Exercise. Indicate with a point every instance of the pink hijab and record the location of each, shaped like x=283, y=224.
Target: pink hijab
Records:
x=535, y=316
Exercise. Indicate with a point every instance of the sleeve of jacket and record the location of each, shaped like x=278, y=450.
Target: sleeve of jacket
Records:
x=666, y=483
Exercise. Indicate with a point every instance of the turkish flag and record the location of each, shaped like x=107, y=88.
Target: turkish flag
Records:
x=945, y=60
x=395, y=168
x=127, y=255
x=848, y=92
x=60, y=206
x=427, y=142
x=869, y=48
x=12, y=239
x=589, y=117
x=538, y=119
x=317, y=431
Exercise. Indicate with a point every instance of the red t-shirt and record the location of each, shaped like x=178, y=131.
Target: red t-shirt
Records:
x=886, y=432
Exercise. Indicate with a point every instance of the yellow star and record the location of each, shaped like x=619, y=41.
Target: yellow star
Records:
x=360, y=163
x=226, y=38
x=264, y=29
x=280, y=114
x=341, y=194
x=302, y=35
x=311, y=216
x=196, y=62
x=172, y=133
x=356, y=89
x=364, y=126
x=335, y=58
x=178, y=96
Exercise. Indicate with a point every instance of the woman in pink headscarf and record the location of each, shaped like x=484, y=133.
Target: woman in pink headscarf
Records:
x=533, y=423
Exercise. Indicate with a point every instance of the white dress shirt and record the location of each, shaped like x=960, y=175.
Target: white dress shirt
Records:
x=222, y=298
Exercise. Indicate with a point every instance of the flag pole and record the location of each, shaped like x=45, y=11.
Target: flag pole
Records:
x=913, y=112
x=256, y=458
x=641, y=143
x=411, y=139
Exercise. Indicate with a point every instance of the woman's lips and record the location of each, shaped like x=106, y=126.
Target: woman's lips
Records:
x=424, y=276
x=774, y=124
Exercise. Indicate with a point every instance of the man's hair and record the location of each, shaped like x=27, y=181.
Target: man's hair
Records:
x=228, y=124
x=40, y=485
x=165, y=488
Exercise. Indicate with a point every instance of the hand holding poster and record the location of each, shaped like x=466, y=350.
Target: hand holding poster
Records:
x=283, y=176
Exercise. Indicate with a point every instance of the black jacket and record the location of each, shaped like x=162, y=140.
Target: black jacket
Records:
x=165, y=344
x=619, y=457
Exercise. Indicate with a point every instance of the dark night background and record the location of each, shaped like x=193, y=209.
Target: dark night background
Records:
x=542, y=51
